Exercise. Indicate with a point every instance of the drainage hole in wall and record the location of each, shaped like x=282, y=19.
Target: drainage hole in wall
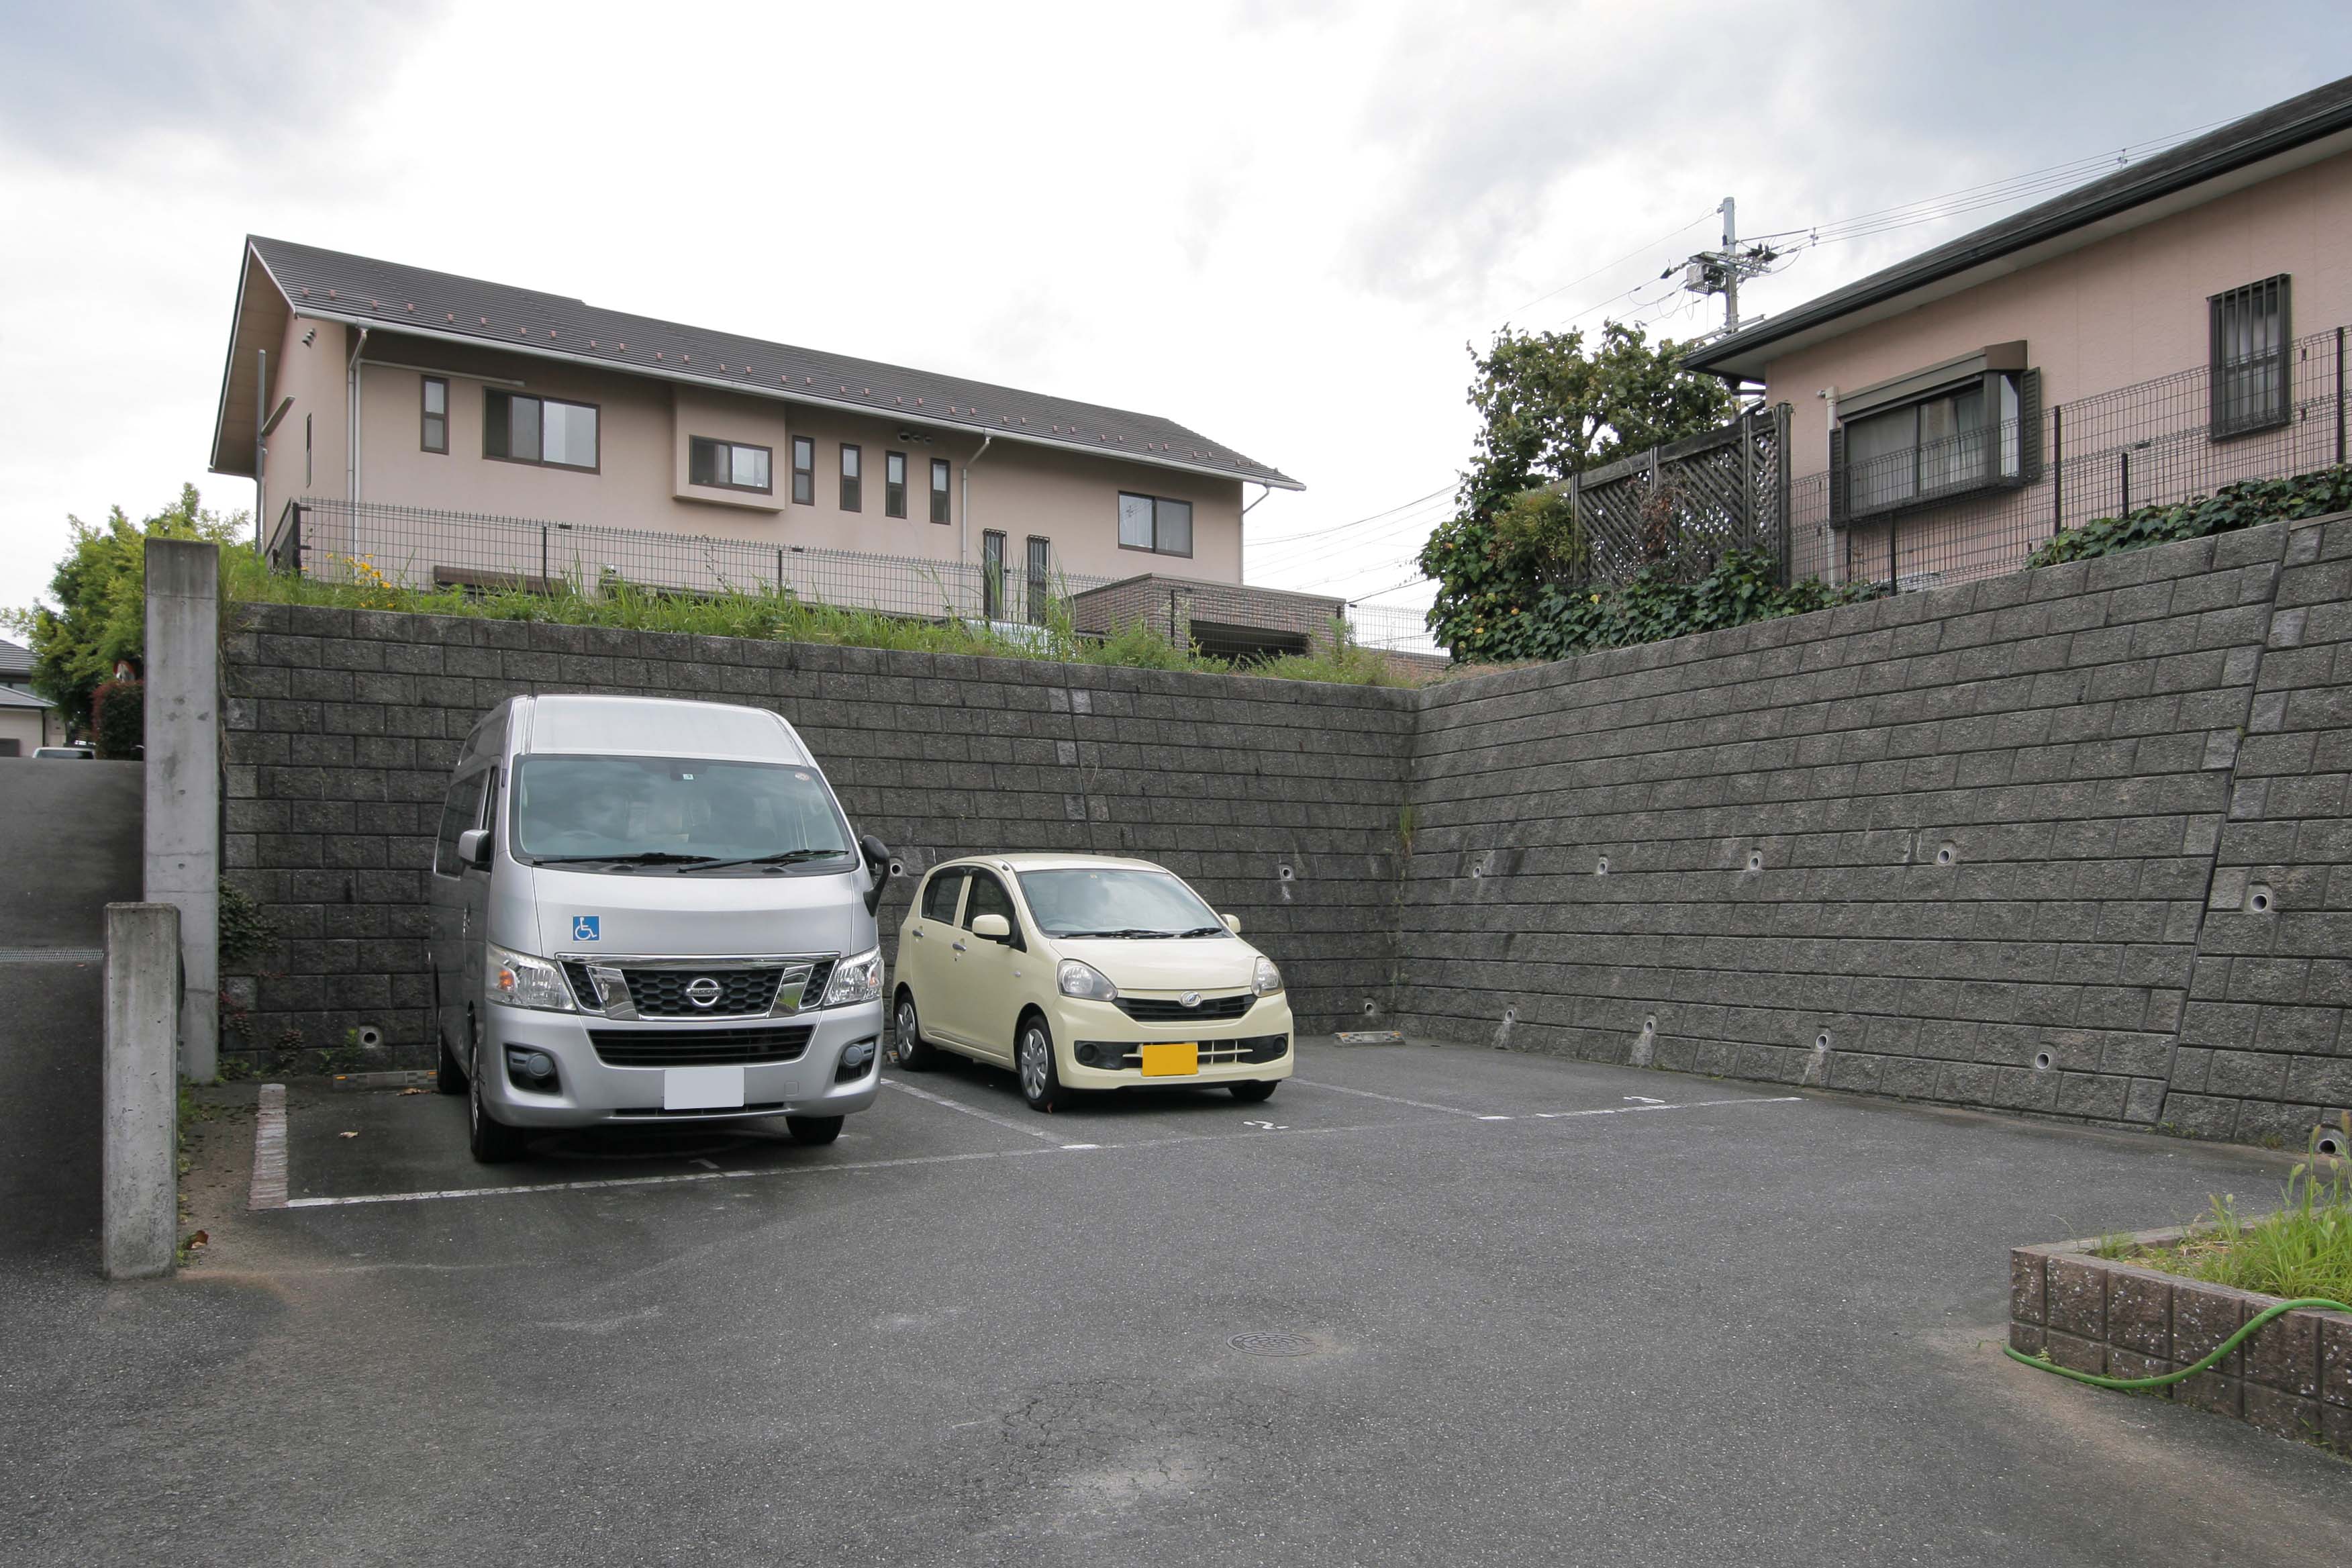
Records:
x=898, y=868
x=1755, y=860
x=1284, y=872
x=2331, y=1145
x=1510, y=1014
x=368, y=1036
x=1650, y=1024
x=1822, y=1041
x=2041, y=1061
x=1602, y=869
x=1946, y=856
x=1370, y=1007
x=2258, y=900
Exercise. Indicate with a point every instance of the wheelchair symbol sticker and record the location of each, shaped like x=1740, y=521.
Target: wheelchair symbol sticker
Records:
x=584, y=928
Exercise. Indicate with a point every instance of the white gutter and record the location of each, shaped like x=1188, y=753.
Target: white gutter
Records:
x=963, y=508
x=352, y=419
x=889, y=412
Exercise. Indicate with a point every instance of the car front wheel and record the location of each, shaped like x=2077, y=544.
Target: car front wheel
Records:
x=1251, y=1093
x=1032, y=1057
x=907, y=1048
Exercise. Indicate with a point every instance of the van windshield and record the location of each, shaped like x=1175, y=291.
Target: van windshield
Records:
x=671, y=812
x=1116, y=903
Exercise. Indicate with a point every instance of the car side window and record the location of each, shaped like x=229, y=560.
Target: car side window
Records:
x=462, y=810
x=940, y=896
x=989, y=897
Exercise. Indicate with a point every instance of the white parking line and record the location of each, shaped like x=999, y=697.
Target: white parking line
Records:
x=1004, y=1121
x=269, y=1188
x=1257, y=1130
x=1396, y=1099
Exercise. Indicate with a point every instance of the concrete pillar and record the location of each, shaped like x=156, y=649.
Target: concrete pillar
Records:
x=183, y=804
x=141, y=1186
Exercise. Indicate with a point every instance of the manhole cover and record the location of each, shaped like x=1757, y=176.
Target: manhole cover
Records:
x=617, y=1143
x=1273, y=1342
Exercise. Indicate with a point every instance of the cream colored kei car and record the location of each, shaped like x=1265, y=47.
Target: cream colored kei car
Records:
x=1083, y=972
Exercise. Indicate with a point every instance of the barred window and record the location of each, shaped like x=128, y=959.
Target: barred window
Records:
x=2250, y=360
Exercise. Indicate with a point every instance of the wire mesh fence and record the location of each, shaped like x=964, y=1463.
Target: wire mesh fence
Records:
x=1980, y=502
x=332, y=540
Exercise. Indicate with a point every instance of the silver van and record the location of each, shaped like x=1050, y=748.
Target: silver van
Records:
x=647, y=911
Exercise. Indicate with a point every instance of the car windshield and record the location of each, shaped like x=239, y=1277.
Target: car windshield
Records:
x=676, y=814
x=1114, y=902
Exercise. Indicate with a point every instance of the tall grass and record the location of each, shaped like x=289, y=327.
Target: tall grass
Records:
x=2302, y=1249
x=768, y=615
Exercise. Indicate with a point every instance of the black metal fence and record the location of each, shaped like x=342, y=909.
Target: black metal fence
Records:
x=2153, y=443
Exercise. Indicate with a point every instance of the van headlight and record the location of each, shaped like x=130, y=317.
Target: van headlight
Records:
x=519, y=981
x=854, y=980
x=1084, y=982
x=1268, y=979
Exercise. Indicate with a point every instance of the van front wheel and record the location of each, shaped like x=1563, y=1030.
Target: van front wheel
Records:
x=492, y=1142
x=814, y=1130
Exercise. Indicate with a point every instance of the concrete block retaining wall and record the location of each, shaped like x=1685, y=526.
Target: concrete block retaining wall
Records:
x=1277, y=799
x=2117, y=1319
x=2071, y=842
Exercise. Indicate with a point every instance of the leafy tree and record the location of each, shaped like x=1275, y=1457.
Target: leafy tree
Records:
x=1548, y=407
x=100, y=591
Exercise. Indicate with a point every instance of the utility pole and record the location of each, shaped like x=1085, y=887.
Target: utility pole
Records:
x=1719, y=272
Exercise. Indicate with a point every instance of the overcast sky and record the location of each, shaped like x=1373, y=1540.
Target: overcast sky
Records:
x=1279, y=224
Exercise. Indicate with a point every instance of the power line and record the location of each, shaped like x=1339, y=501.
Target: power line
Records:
x=1607, y=265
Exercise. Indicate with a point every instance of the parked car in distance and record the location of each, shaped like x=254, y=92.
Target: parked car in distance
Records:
x=651, y=910
x=67, y=753
x=1086, y=972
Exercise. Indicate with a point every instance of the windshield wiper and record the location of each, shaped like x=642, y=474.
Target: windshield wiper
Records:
x=1128, y=933
x=642, y=857
x=788, y=858
x=1205, y=930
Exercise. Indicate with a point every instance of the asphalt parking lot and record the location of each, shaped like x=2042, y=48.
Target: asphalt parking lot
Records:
x=1424, y=1305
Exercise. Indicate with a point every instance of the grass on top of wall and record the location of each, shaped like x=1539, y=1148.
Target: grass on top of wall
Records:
x=781, y=617
x=2304, y=1249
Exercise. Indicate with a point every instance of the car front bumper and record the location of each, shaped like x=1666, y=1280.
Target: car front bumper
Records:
x=589, y=1091
x=1103, y=1025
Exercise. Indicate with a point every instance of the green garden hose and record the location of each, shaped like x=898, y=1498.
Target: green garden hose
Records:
x=2132, y=1385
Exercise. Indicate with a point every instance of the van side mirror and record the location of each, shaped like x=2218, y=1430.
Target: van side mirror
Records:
x=993, y=928
x=1232, y=924
x=876, y=856
x=474, y=848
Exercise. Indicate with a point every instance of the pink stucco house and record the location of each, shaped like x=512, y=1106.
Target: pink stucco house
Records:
x=2161, y=332
x=440, y=429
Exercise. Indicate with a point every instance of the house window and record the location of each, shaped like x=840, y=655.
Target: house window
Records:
x=1041, y=566
x=803, y=470
x=2250, y=358
x=939, y=489
x=519, y=429
x=433, y=419
x=991, y=575
x=894, y=484
x=728, y=465
x=849, y=491
x=1944, y=432
x=1155, y=523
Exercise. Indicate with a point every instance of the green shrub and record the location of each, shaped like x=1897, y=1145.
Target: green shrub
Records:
x=247, y=929
x=2246, y=504
x=119, y=719
x=1742, y=587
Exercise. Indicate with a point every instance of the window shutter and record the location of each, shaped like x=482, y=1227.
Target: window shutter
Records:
x=2030, y=420
x=1837, y=475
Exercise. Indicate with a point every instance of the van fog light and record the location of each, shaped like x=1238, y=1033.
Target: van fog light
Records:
x=856, y=1058
x=532, y=1070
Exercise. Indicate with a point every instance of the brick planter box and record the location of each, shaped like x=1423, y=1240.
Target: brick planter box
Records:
x=2117, y=1319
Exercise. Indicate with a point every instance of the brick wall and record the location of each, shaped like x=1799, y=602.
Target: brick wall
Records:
x=1170, y=605
x=342, y=726
x=1983, y=826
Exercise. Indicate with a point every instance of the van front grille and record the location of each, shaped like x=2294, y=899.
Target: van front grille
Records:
x=1163, y=1010
x=662, y=992
x=699, y=1048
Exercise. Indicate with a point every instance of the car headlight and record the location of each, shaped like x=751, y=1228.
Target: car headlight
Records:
x=519, y=981
x=854, y=980
x=1084, y=982
x=1268, y=979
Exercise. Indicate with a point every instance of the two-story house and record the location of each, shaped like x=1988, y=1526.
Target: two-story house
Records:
x=443, y=431
x=2154, y=334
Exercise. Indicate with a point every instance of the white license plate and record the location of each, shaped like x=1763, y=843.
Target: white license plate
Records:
x=701, y=1088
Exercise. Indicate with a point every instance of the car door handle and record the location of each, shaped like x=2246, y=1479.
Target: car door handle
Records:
x=960, y=947
x=919, y=936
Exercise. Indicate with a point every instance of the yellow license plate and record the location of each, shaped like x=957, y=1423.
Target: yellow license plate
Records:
x=1172, y=1058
